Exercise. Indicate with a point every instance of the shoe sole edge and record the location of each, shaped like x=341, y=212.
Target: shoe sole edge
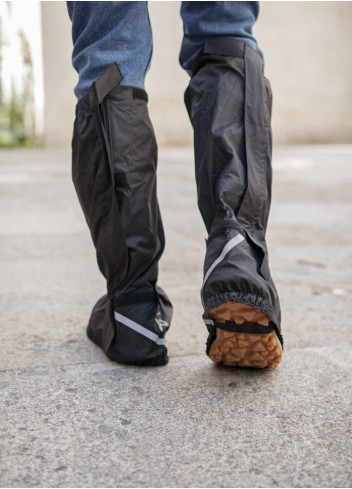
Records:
x=246, y=349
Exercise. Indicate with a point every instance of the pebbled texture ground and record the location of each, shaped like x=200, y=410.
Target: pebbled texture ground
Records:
x=69, y=417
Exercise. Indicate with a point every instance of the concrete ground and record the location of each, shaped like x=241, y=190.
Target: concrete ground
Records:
x=70, y=417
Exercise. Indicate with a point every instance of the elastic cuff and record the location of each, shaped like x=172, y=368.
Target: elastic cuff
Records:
x=252, y=300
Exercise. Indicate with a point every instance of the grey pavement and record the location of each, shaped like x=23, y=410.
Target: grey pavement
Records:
x=72, y=418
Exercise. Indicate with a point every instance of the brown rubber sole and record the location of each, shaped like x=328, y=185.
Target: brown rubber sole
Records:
x=244, y=349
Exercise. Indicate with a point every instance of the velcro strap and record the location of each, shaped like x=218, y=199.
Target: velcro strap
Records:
x=106, y=82
x=224, y=46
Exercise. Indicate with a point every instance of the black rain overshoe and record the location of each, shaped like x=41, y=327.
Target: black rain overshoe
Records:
x=114, y=159
x=229, y=105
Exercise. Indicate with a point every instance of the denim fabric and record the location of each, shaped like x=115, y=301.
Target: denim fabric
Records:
x=107, y=32
x=206, y=19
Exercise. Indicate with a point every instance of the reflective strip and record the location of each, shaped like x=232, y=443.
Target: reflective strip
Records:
x=139, y=329
x=209, y=321
x=231, y=244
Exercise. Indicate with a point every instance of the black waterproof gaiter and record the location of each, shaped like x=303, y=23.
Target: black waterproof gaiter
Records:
x=229, y=104
x=114, y=159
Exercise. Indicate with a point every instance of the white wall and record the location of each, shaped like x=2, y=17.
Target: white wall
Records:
x=59, y=76
x=308, y=57
x=307, y=48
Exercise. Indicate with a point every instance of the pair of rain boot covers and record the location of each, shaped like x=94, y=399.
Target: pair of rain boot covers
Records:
x=114, y=160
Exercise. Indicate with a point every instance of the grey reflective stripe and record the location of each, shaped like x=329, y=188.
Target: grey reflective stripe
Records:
x=139, y=329
x=209, y=321
x=229, y=245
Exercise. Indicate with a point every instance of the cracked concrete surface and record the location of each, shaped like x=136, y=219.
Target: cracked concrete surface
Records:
x=71, y=418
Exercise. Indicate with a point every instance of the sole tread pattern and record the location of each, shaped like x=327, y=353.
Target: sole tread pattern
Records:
x=244, y=349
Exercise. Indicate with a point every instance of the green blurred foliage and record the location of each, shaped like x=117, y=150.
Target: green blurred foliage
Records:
x=17, y=130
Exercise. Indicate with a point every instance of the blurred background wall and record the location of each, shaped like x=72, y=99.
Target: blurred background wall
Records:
x=307, y=48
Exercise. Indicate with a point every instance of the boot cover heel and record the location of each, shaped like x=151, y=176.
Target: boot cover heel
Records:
x=243, y=337
x=132, y=333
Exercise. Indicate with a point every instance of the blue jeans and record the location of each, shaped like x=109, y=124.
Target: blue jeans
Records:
x=107, y=32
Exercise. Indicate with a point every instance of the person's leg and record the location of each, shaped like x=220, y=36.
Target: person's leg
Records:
x=229, y=104
x=110, y=32
x=202, y=20
x=114, y=158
